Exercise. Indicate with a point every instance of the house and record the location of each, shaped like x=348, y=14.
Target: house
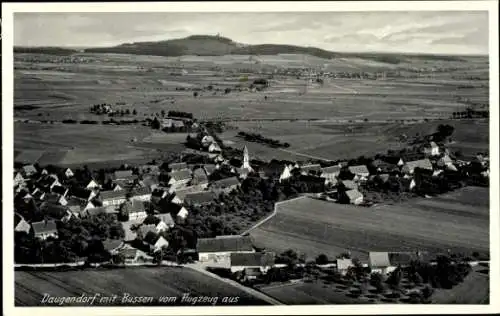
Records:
x=18, y=179
x=199, y=198
x=133, y=255
x=28, y=171
x=45, y=229
x=431, y=149
x=360, y=172
x=343, y=265
x=260, y=260
x=210, y=168
x=141, y=194
x=381, y=166
x=57, y=212
x=225, y=185
x=156, y=242
x=410, y=166
x=135, y=209
x=352, y=197
x=214, y=148
x=219, y=249
x=173, y=167
x=47, y=182
x=129, y=227
x=179, y=179
x=199, y=177
x=60, y=190
x=149, y=169
x=123, y=175
x=330, y=174
x=278, y=169
x=386, y=262
x=150, y=182
x=92, y=184
x=165, y=222
x=20, y=225
x=348, y=184
x=314, y=169
x=112, y=245
x=250, y=274
x=68, y=173
x=83, y=195
x=112, y=198
x=180, y=194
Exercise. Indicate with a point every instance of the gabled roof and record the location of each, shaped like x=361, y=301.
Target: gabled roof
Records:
x=134, y=206
x=358, y=169
x=353, y=194
x=110, y=195
x=122, y=174
x=379, y=259
x=331, y=170
x=181, y=193
x=141, y=191
x=225, y=183
x=225, y=244
x=199, y=197
x=180, y=175
x=255, y=259
x=343, y=264
x=200, y=175
x=423, y=164
x=166, y=218
x=29, y=169
x=177, y=166
x=349, y=184
x=209, y=168
x=311, y=167
x=80, y=193
x=44, y=227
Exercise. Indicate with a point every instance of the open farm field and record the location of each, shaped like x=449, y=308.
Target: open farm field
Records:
x=30, y=287
x=436, y=225
x=77, y=144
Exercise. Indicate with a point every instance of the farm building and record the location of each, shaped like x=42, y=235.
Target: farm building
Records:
x=314, y=169
x=45, y=229
x=386, y=262
x=225, y=185
x=180, y=194
x=173, y=167
x=218, y=250
x=351, y=196
x=199, y=177
x=343, y=265
x=92, y=184
x=133, y=255
x=360, y=172
x=141, y=194
x=83, y=195
x=410, y=166
x=28, y=171
x=330, y=174
x=199, y=198
x=20, y=225
x=260, y=260
x=179, y=179
x=112, y=198
x=431, y=149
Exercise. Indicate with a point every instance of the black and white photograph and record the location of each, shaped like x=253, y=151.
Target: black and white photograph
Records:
x=226, y=155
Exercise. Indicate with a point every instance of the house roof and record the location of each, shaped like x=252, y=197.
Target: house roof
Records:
x=312, y=167
x=358, y=169
x=181, y=193
x=349, y=184
x=200, y=174
x=422, y=163
x=150, y=181
x=353, y=194
x=384, y=177
x=379, y=259
x=343, y=264
x=110, y=195
x=402, y=258
x=134, y=206
x=180, y=175
x=44, y=227
x=29, y=169
x=255, y=259
x=80, y=193
x=199, y=197
x=122, y=174
x=225, y=244
x=177, y=166
x=432, y=145
x=209, y=168
x=225, y=183
x=166, y=218
x=141, y=191
x=331, y=170
x=96, y=210
x=111, y=244
x=145, y=229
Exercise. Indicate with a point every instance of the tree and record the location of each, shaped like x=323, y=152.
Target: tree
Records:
x=377, y=280
x=395, y=278
x=127, y=112
x=322, y=259
x=134, y=112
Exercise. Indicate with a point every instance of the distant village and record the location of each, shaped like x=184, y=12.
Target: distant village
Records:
x=194, y=206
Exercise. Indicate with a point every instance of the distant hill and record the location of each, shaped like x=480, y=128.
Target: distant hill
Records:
x=44, y=50
x=207, y=45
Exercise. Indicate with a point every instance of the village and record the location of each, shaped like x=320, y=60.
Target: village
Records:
x=194, y=209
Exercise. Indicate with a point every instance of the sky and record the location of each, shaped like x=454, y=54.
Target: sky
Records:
x=438, y=32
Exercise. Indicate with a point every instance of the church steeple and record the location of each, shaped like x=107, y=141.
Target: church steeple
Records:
x=246, y=159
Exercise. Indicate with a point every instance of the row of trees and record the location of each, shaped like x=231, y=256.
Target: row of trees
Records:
x=254, y=137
